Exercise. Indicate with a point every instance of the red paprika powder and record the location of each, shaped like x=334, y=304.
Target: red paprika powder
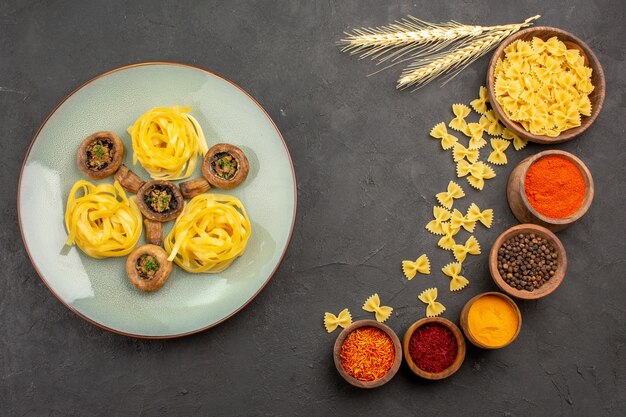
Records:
x=433, y=347
x=555, y=187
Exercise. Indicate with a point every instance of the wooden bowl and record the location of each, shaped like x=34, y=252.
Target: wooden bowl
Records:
x=465, y=324
x=392, y=371
x=521, y=208
x=597, y=78
x=547, y=288
x=460, y=340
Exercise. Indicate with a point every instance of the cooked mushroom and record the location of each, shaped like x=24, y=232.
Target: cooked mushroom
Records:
x=225, y=166
x=191, y=188
x=160, y=200
x=100, y=155
x=154, y=232
x=148, y=268
x=128, y=179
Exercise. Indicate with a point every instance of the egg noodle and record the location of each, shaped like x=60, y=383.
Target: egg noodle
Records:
x=166, y=142
x=210, y=233
x=102, y=222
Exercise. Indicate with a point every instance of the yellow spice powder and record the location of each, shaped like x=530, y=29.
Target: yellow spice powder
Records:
x=492, y=321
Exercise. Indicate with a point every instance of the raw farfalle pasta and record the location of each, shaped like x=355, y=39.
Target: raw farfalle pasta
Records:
x=441, y=132
x=372, y=304
x=543, y=86
x=446, y=198
x=480, y=104
x=489, y=121
x=471, y=247
x=421, y=265
x=461, y=111
x=447, y=240
x=441, y=215
x=475, y=214
x=476, y=173
x=458, y=220
x=457, y=281
x=475, y=132
x=518, y=143
x=434, y=308
x=459, y=152
x=497, y=156
x=331, y=322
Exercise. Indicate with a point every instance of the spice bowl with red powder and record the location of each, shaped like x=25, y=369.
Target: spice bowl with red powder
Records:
x=367, y=354
x=434, y=348
x=528, y=261
x=552, y=188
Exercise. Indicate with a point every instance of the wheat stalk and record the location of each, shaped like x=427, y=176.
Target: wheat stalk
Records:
x=455, y=60
x=409, y=35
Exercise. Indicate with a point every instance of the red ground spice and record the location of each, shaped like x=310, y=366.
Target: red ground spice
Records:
x=555, y=187
x=367, y=353
x=433, y=347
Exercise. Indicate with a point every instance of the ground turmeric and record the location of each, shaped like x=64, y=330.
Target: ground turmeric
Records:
x=492, y=321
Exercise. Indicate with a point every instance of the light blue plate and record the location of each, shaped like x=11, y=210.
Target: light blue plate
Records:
x=98, y=289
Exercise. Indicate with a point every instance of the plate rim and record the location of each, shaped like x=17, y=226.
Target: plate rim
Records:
x=104, y=74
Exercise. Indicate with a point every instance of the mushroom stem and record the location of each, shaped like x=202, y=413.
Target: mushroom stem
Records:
x=154, y=232
x=128, y=179
x=191, y=188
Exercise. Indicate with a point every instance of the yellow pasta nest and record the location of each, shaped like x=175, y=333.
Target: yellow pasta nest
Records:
x=167, y=141
x=102, y=222
x=211, y=232
x=543, y=85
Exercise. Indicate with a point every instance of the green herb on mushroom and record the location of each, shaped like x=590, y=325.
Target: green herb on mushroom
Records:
x=147, y=266
x=224, y=165
x=99, y=154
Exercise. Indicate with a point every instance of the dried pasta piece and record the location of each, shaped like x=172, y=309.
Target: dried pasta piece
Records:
x=475, y=214
x=498, y=157
x=446, y=198
x=421, y=265
x=478, y=183
x=457, y=281
x=487, y=172
x=331, y=322
x=459, y=152
x=447, y=240
x=434, y=308
x=480, y=104
x=458, y=220
x=476, y=136
x=464, y=168
x=372, y=304
x=518, y=143
x=491, y=124
x=471, y=247
x=440, y=132
x=441, y=215
x=461, y=111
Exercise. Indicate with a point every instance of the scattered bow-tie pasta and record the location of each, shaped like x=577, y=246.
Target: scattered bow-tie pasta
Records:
x=421, y=265
x=372, y=304
x=441, y=215
x=543, y=86
x=475, y=214
x=446, y=198
x=480, y=104
x=440, y=132
x=471, y=247
x=434, y=308
x=331, y=322
x=102, y=221
x=457, y=281
x=498, y=157
x=446, y=242
x=476, y=173
x=461, y=111
x=475, y=133
x=491, y=124
x=458, y=220
x=459, y=152
x=518, y=143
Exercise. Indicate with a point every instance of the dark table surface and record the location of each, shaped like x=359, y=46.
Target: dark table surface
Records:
x=367, y=173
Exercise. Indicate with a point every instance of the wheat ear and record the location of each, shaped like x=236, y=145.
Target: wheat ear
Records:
x=453, y=61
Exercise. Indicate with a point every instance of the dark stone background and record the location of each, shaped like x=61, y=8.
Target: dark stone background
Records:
x=367, y=174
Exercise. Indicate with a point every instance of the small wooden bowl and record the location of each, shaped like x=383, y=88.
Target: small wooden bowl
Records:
x=597, y=78
x=522, y=209
x=392, y=371
x=460, y=340
x=546, y=288
x=465, y=324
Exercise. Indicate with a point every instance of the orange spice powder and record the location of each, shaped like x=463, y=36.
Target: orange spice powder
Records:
x=367, y=354
x=555, y=187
